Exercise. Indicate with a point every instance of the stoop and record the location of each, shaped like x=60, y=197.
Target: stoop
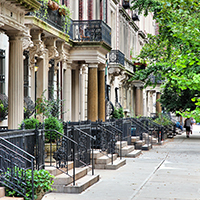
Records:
x=127, y=150
x=63, y=183
x=103, y=161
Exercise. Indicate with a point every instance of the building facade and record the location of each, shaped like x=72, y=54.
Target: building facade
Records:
x=88, y=67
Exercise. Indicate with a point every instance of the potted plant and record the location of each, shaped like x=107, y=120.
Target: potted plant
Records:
x=52, y=123
x=53, y=5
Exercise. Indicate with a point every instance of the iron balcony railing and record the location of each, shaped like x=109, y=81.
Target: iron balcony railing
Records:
x=116, y=56
x=53, y=18
x=90, y=30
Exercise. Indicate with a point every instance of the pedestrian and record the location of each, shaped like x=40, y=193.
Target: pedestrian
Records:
x=192, y=122
x=187, y=127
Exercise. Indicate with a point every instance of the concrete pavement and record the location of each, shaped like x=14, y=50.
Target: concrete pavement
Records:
x=170, y=171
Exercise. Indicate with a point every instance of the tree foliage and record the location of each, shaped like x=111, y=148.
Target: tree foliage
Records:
x=174, y=54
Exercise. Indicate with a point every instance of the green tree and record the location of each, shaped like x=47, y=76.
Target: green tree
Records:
x=173, y=54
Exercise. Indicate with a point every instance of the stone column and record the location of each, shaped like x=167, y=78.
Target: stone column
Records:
x=67, y=91
x=158, y=105
x=16, y=81
x=42, y=75
x=101, y=94
x=138, y=101
x=92, y=92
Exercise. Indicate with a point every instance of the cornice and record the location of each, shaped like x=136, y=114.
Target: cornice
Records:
x=142, y=34
x=116, y=1
x=134, y=26
x=92, y=44
x=124, y=13
x=28, y=5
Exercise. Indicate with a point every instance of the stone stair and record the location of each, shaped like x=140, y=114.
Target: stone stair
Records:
x=63, y=183
x=104, y=161
x=3, y=197
x=127, y=150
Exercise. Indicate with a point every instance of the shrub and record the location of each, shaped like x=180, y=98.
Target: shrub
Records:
x=118, y=113
x=30, y=123
x=52, y=123
x=43, y=181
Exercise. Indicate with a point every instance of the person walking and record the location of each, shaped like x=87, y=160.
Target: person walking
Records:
x=187, y=126
x=192, y=122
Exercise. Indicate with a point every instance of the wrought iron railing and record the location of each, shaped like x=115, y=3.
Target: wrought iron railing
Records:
x=157, y=129
x=90, y=30
x=53, y=18
x=14, y=163
x=116, y=56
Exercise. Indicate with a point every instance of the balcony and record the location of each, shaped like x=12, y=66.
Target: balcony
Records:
x=53, y=18
x=90, y=31
x=116, y=56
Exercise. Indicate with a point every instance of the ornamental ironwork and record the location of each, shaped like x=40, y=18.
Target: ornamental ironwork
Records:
x=90, y=31
x=116, y=56
x=53, y=18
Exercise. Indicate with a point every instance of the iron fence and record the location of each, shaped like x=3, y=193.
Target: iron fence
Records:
x=14, y=163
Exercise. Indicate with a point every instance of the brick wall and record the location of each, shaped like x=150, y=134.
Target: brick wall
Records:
x=80, y=9
x=101, y=9
x=90, y=9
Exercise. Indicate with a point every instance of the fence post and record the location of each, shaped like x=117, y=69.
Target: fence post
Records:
x=74, y=163
x=32, y=169
x=36, y=147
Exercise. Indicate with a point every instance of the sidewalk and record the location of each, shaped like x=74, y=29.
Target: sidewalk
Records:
x=170, y=171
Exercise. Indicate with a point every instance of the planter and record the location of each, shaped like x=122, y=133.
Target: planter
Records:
x=53, y=5
x=49, y=152
x=62, y=11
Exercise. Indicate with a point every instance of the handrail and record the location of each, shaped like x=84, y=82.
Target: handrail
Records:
x=61, y=135
x=146, y=128
x=116, y=128
x=12, y=185
x=94, y=138
x=105, y=129
x=17, y=148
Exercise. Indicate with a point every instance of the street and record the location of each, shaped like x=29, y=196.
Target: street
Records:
x=168, y=172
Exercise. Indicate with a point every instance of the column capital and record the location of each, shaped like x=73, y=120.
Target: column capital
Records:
x=93, y=65
x=101, y=67
x=15, y=35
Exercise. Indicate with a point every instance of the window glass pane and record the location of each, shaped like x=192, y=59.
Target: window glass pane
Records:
x=2, y=71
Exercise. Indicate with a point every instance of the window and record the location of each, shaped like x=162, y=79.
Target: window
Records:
x=26, y=74
x=2, y=71
x=51, y=79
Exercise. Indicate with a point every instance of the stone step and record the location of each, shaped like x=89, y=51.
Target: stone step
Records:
x=54, y=171
x=2, y=192
x=116, y=164
x=134, y=139
x=146, y=147
x=154, y=141
x=123, y=144
x=81, y=184
x=105, y=159
x=139, y=144
x=126, y=150
x=64, y=179
x=97, y=153
x=134, y=153
x=3, y=197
